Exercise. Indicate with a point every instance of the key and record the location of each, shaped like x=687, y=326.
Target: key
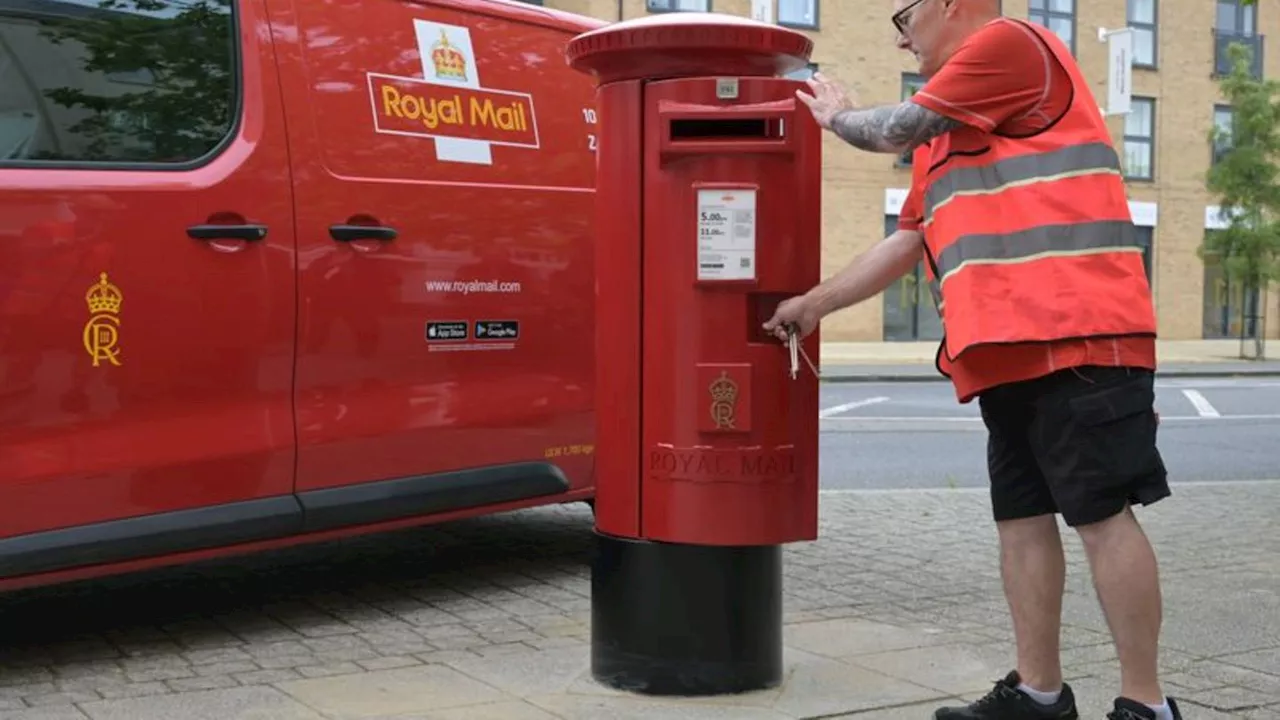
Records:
x=793, y=342
x=812, y=367
x=797, y=352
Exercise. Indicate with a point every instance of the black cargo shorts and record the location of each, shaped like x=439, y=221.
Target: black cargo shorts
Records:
x=1080, y=442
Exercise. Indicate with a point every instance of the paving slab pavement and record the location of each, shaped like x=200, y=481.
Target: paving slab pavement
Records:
x=895, y=609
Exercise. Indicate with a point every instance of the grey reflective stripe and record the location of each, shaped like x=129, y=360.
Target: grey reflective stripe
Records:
x=1071, y=161
x=1038, y=242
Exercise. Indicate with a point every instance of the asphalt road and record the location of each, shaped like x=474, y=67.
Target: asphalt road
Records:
x=915, y=435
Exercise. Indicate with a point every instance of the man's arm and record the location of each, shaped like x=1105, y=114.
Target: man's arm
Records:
x=891, y=128
x=870, y=273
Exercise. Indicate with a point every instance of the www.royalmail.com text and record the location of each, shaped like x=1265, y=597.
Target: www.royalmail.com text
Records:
x=466, y=287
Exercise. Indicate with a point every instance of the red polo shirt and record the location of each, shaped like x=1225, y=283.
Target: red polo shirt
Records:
x=1004, y=79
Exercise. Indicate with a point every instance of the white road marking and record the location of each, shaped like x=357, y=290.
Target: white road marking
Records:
x=984, y=489
x=905, y=418
x=937, y=418
x=1201, y=404
x=837, y=409
x=1227, y=383
x=1241, y=383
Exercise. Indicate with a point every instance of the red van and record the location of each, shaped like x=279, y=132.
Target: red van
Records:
x=277, y=271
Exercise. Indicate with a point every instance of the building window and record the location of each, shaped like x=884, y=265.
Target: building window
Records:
x=1229, y=311
x=1139, y=139
x=803, y=73
x=1223, y=118
x=1236, y=23
x=798, y=13
x=911, y=82
x=1142, y=18
x=109, y=85
x=1057, y=15
x=678, y=5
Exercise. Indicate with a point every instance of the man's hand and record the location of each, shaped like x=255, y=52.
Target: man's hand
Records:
x=828, y=98
x=893, y=129
x=801, y=310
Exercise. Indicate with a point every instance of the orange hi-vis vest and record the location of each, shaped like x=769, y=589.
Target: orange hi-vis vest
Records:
x=1030, y=239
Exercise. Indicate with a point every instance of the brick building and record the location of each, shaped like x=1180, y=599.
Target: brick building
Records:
x=1178, y=47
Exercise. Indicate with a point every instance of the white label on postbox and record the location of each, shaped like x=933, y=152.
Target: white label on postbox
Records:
x=726, y=234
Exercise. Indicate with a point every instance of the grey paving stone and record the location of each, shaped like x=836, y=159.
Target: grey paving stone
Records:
x=495, y=711
x=391, y=692
x=1264, y=661
x=1227, y=674
x=213, y=682
x=580, y=707
x=530, y=672
x=954, y=669
x=256, y=703
x=1232, y=699
x=894, y=574
x=823, y=687
x=61, y=712
x=921, y=711
x=847, y=637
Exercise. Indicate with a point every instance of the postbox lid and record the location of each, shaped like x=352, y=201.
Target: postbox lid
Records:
x=684, y=44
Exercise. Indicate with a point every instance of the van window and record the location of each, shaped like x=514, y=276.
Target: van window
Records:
x=124, y=81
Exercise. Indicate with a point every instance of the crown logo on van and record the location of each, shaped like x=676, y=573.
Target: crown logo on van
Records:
x=449, y=62
x=104, y=297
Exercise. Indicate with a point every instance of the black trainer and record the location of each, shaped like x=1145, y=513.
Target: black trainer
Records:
x=1006, y=702
x=1126, y=709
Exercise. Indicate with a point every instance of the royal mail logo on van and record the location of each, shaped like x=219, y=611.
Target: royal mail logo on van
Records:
x=449, y=104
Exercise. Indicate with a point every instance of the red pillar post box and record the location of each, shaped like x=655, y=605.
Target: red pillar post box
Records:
x=709, y=215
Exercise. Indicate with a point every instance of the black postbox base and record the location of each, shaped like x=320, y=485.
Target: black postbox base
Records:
x=672, y=619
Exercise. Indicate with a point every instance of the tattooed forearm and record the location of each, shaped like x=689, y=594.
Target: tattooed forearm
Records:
x=891, y=128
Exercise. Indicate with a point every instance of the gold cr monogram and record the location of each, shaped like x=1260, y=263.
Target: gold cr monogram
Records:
x=724, y=401
x=102, y=331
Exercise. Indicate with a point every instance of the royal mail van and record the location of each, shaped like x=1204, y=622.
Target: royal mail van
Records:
x=278, y=271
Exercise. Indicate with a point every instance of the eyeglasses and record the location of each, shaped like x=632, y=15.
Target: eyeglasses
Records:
x=903, y=16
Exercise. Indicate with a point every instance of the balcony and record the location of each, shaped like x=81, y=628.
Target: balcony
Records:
x=1223, y=39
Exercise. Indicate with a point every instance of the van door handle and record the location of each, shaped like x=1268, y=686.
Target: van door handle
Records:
x=227, y=232
x=347, y=233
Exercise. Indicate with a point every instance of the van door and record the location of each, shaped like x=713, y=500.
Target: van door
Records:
x=147, y=293
x=444, y=177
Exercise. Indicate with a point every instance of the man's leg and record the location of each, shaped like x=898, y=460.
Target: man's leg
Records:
x=1128, y=586
x=1031, y=566
x=1034, y=572
x=1095, y=436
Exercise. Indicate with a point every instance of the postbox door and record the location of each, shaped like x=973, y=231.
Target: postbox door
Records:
x=731, y=227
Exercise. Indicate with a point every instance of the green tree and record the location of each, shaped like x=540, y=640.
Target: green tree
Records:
x=182, y=48
x=1246, y=183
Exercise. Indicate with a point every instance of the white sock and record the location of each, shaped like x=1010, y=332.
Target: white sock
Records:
x=1046, y=698
x=1163, y=711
